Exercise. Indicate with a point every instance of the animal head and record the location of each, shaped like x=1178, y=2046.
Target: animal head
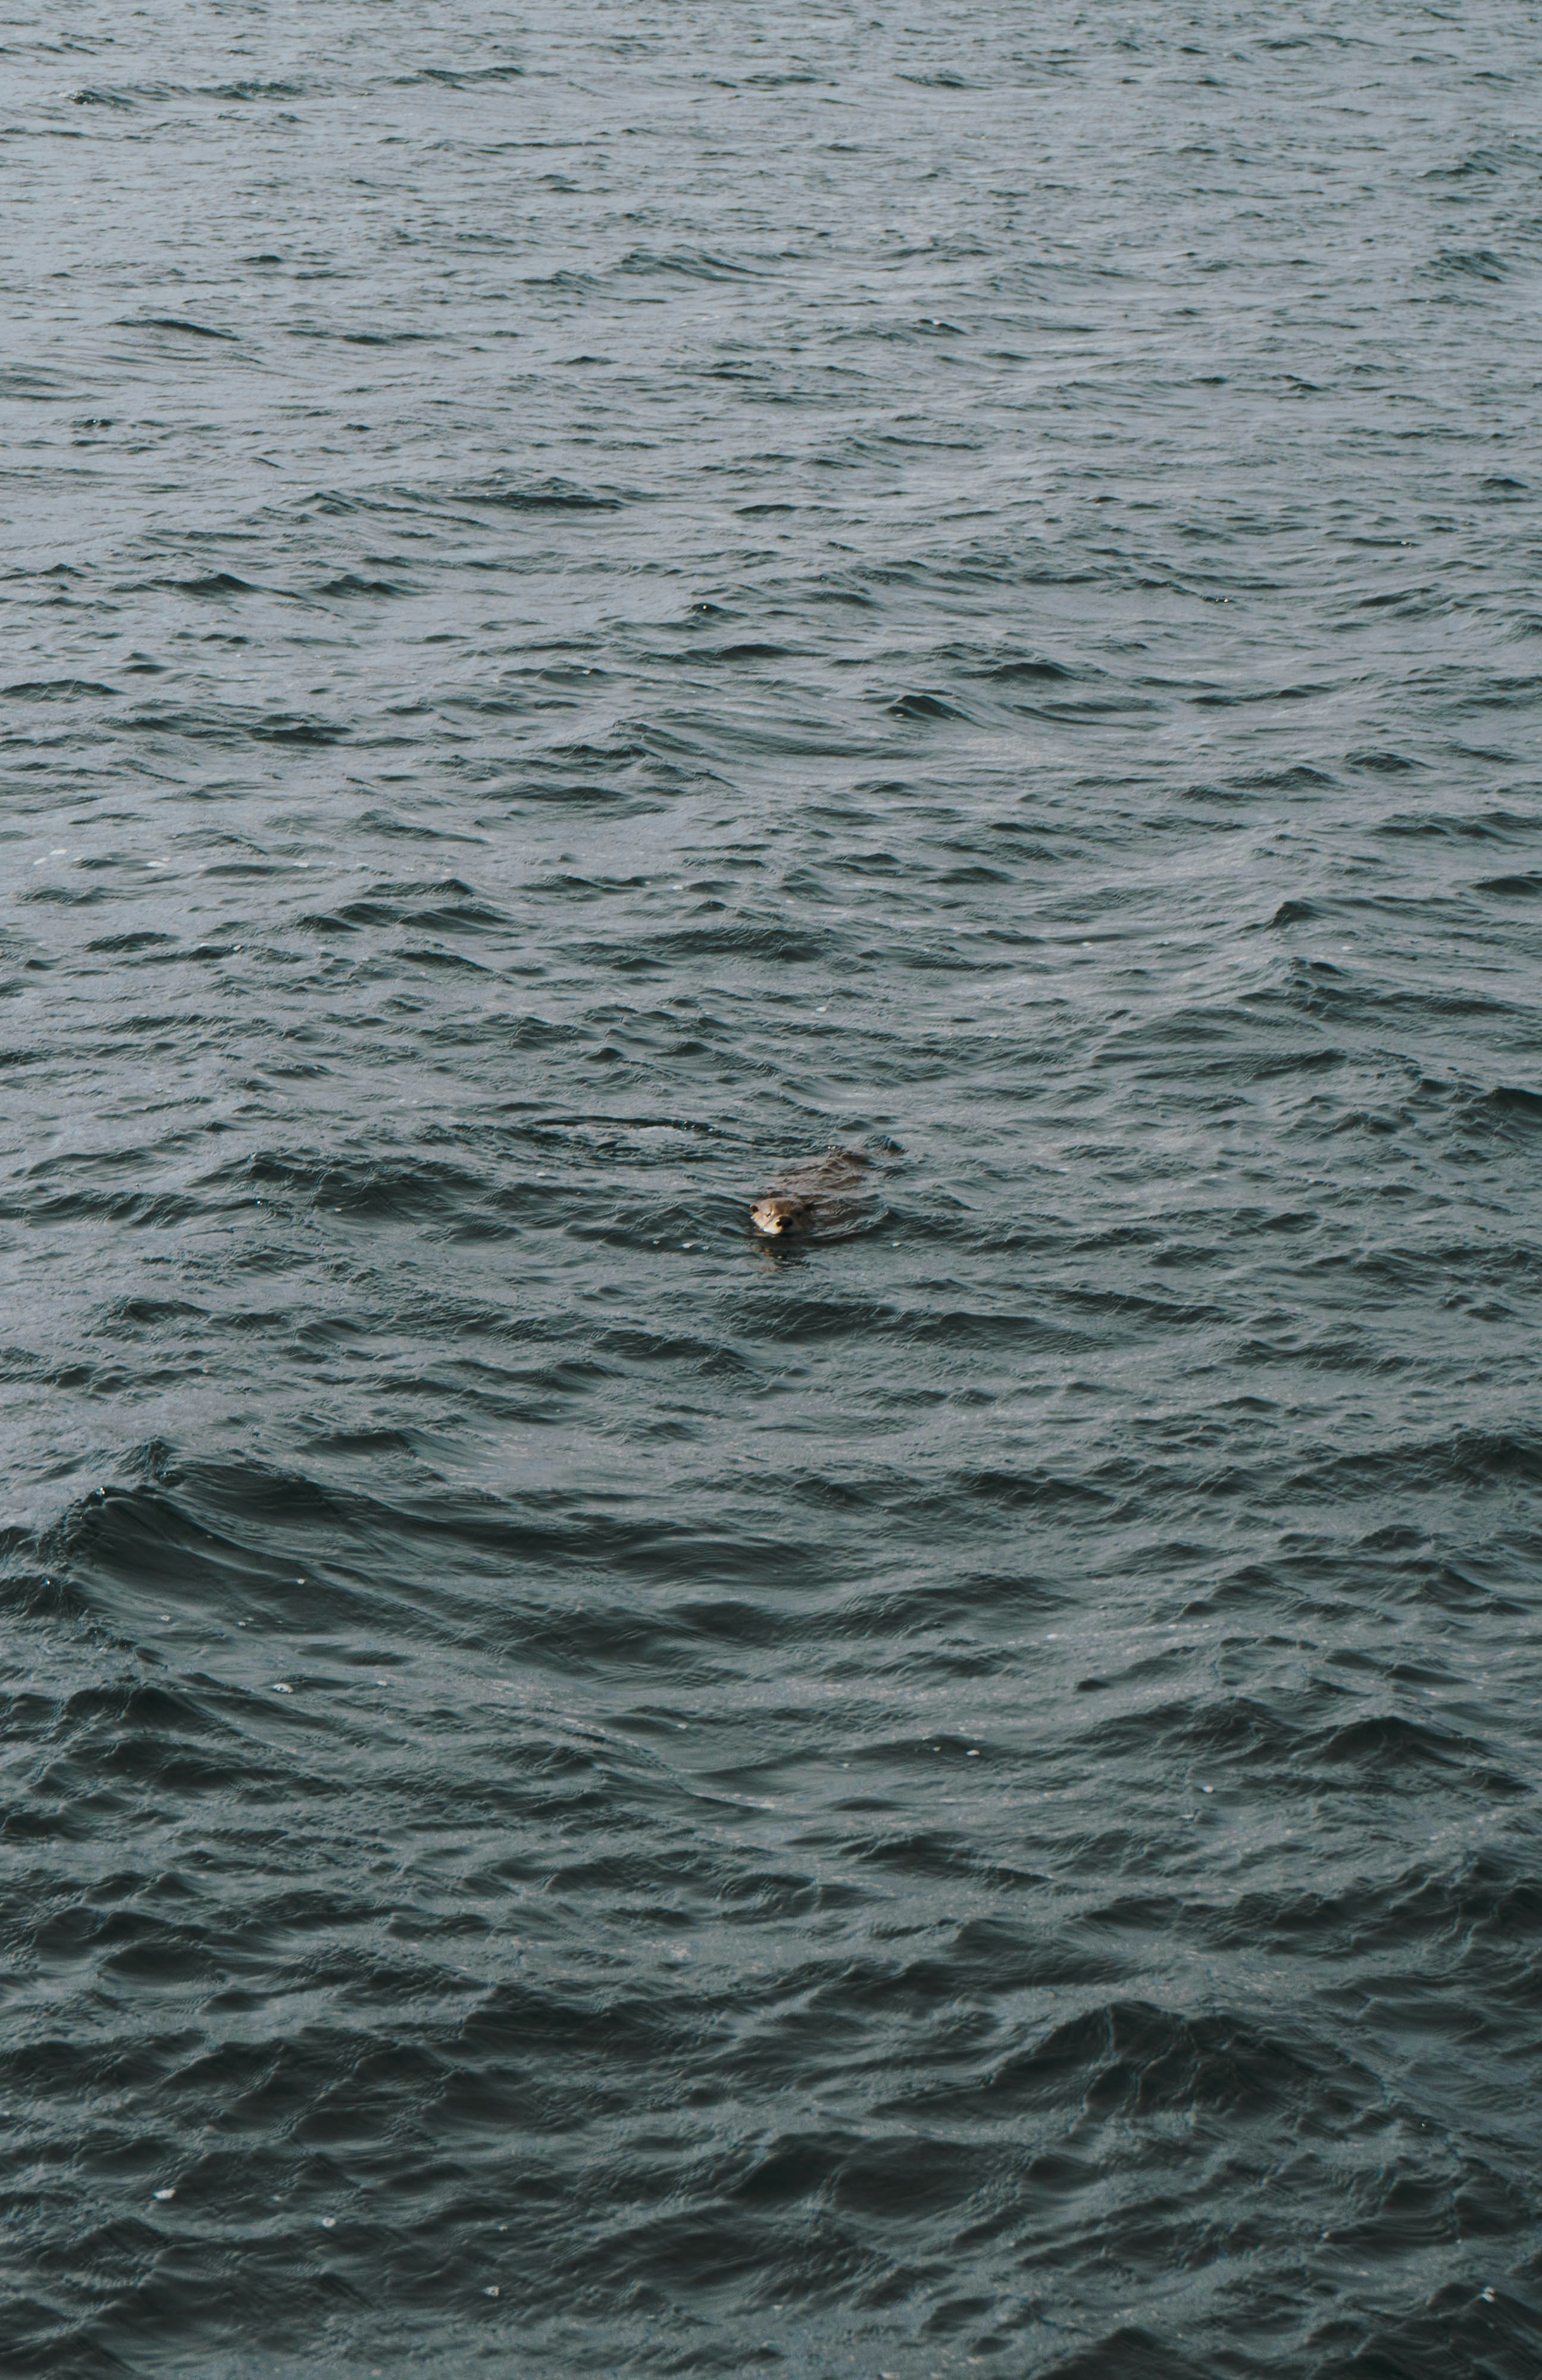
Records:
x=774, y=1214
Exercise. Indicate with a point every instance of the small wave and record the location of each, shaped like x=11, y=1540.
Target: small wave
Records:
x=231, y=725
x=1470, y=264
x=925, y=706
x=137, y=1209
x=1385, y=1744
x=212, y=582
x=1030, y=670
x=549, y=495
x=1133, y=2058
x=181, y=324
x=63, y=896
x=692, y=264
x=462, y=78
x=1512, y=1109
x=366, y=1189
x=763, y=938
x=1478, y=826
x=255, y=89
x=348, y=582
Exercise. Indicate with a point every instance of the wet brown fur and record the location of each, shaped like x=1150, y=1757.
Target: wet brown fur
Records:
x=812, y=1197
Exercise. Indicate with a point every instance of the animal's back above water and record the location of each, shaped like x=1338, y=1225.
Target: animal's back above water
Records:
x=842, y=1170
x=814, y=1196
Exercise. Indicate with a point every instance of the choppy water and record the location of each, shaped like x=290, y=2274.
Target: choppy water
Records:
x=595, y=600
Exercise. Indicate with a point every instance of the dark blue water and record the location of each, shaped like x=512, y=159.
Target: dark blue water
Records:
x=597, y=600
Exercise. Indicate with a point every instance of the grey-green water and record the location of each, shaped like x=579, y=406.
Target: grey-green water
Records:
x=594, y=600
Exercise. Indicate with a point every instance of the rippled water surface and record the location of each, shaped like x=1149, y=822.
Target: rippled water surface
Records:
x=596, y=601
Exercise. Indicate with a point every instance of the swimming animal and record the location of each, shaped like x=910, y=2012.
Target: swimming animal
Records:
x=812, y=1197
